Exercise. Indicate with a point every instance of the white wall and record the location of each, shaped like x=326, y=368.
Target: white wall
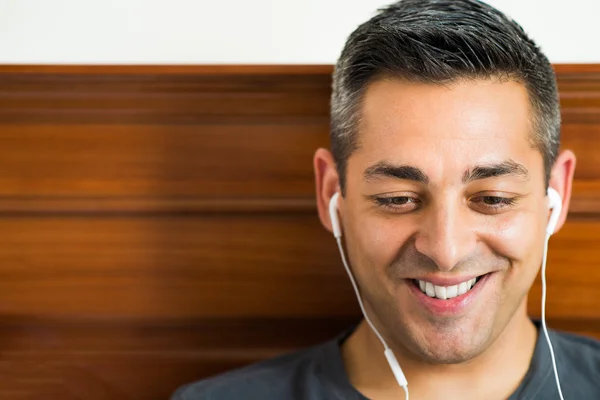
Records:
x=243, y=31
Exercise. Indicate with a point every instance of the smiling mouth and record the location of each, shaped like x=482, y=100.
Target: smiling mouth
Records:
x=446, y=292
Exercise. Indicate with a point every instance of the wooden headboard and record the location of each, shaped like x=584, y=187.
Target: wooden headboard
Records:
x=158, y=224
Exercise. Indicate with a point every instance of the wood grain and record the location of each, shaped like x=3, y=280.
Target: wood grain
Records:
x=157, y=224
x=145, y=161
x=231, y=266
x=251, y=265
x=84, y=142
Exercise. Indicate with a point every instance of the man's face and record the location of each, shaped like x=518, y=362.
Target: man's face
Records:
x=444, y=187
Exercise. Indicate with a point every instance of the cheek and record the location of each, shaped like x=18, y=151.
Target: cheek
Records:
x=377, y=242
x=519, y=237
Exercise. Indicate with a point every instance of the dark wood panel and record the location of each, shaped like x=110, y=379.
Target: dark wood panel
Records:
x=177, y=162
x=162, y=98
x=157, y=224
x=122, y=360
x=199, y=70
x=111, y=376
x=579, y=90
x=211, y=335
x=180, y=94
x=572, y=273
x=172, y=267
x=226, y=69
x=585, y=199
x=112, y=140
x=584, y=140
x=221, y=265
x=73, y=205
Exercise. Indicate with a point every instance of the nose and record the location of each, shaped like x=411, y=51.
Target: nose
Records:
x=445, y=235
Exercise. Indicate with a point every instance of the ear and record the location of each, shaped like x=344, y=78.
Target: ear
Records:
x=327, y=184
x=561, y=179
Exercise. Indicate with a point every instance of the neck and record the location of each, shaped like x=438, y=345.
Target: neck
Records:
x=494, y=374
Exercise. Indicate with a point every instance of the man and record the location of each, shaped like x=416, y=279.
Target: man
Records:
x=445, y=131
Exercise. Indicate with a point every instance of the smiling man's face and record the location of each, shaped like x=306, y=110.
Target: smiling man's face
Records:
x=444, y=187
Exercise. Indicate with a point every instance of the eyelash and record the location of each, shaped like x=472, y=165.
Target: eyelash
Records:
x=387, y=202
x=503, y=201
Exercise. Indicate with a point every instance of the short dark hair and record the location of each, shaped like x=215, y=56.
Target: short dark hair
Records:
x=440, y=41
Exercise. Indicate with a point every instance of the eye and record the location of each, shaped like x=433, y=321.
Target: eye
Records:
x=494, y=200
x=397, y=203
x=494, y=203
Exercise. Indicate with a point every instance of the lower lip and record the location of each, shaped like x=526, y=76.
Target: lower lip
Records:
x=451, y=306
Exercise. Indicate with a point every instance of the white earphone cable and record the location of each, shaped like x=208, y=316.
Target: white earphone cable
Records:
x=403, y=384
x=357, y=292
x=544, y=318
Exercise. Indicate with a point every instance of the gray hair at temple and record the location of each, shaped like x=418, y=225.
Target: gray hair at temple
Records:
x=437, y=42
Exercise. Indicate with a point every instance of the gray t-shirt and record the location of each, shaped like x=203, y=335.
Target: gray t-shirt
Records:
x=318, y=373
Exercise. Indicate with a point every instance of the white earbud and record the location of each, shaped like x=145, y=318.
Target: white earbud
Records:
x=333, y=215
x=555, y=204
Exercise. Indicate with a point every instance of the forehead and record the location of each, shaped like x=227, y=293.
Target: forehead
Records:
x=445, y=129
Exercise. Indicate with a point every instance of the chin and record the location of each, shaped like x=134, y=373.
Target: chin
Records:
x=450, y=342
x=449, y=353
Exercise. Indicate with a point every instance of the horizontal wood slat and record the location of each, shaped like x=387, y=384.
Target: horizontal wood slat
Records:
x=579, y=96
x=174, y=267
x=125, y=360
x=155, y=205
x=160, y=99
x=151, y=161
x=183, y=267
x=223, y=69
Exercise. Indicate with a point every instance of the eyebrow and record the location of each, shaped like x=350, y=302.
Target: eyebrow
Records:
x=505, y=168
x=383, y=170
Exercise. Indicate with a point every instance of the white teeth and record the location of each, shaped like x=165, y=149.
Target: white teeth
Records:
x=446, y=292
x=429, y=289
x=452, y=291
x=440, y=292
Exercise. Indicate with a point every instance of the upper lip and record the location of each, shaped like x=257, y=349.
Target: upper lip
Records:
x=447, y=281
